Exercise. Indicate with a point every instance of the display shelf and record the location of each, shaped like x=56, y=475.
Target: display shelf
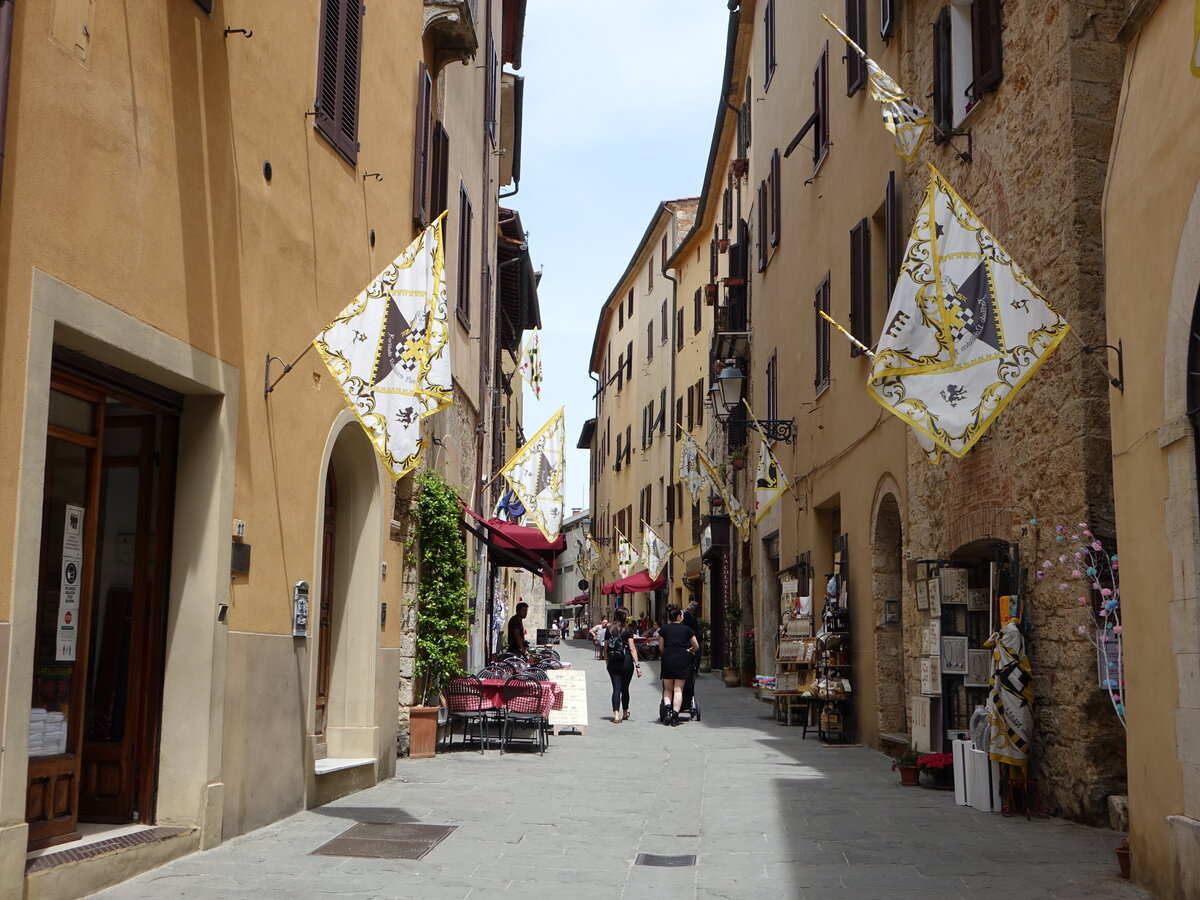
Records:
x=835, y=721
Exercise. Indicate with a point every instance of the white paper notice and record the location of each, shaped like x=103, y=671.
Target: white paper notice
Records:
x=69, y=582
x=73, y=533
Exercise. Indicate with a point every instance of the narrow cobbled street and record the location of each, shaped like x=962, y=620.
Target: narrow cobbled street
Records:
x=764, y=813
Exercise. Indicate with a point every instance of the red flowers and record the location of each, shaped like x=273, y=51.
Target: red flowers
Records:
x=935, y=761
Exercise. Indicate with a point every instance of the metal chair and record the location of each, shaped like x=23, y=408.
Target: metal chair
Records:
x=523, y=706
x=493, y=672
x=465, y=703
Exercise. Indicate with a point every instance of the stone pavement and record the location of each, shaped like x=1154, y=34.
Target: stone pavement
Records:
x=765, y=813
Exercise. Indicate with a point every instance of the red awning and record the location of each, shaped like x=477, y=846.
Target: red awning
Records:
x=578, y=600
x=518, y=545
x=638, y=581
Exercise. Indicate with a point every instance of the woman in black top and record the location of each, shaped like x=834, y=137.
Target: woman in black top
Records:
x=678, y=644
x=620, y=654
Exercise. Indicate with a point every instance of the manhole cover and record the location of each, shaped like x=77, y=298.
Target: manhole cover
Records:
x=651, y=859
x=369, y=840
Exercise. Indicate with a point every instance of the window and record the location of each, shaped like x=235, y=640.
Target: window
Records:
x=662, y=411
x=629, y=362
x=768, y=44
x=679, y=412
x=664, y=249
x=856, y=27
x=489, y=87
x=699, y=402
x=617, y=461
x=691, y=408
x=439, y=190
x=679, y=329
x=773, y=387
x=205, y=5
x=967, y=59
x=337, y=75
x=727, y=210
x=697, y=305
x=860, y=284
x=650, y=340
x=887, y=19
x=650, y=274
x=420, y=210
x=665, y=494
x=620, y=316
x=891, y=213
x=629, y=304
x=763, y=255
x=776, y=197
x=663, y=316
x=821, y=356
x=620, y=374
x=821, y=107
x=463, y=308
x=669, y=494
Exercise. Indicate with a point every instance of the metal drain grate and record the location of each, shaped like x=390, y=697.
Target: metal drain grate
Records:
x=368, y=840
x=651, y=859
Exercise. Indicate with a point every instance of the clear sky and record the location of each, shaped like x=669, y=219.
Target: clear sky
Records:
x=620, y=102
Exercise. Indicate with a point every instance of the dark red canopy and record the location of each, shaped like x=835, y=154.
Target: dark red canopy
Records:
x=578, y=600
x=518, y=545
x=638, y=581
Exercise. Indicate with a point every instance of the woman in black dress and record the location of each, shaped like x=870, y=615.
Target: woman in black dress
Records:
x=620, y=654
x=678, y=644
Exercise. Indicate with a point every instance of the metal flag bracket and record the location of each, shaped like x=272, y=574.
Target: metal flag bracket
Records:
x=1119, y=381
x=269, y=385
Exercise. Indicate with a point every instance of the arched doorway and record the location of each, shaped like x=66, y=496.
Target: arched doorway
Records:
x=886, y=584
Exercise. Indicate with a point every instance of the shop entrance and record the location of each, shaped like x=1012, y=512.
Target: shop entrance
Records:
x=101, y=606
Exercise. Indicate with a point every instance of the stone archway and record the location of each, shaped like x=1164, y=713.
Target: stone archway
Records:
x=887, y=566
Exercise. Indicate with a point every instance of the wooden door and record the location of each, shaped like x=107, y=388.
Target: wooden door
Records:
x=325, y=615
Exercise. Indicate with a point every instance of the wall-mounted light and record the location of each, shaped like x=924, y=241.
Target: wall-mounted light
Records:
x=726, y=394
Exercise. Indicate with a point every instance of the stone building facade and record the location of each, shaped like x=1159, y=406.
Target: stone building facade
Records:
x=1038, y=141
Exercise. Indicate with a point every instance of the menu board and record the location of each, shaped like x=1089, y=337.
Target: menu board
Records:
x=573, y=715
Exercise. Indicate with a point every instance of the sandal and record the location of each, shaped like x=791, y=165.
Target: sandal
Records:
x=626, y=715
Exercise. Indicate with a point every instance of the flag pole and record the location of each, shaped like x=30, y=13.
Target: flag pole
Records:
x=268, y=384
x=851, y=338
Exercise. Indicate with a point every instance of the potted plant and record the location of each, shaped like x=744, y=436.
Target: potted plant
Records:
x=705, y=631
x=737, y=458
x=939, y=767
x=442, y=595
x=733, y=615
x=906, y=765
x=748, y=660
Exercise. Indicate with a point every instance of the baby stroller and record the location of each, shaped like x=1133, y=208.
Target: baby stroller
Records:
x=691, y=706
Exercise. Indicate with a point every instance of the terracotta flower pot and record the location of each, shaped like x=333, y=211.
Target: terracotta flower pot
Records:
x=1123, y=857
x=732, y=676
x=422, y=731
x=910, y=776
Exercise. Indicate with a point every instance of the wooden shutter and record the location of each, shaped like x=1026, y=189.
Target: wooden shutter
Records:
x=205, y=5
x=762, y=226
x=662, y=411
x=650, y=340
x=986, y=45
x=629, y=362
x=891, y=215
x=700, y=402
x=465, y=216
x=856, y=27
x=773, y=387
x=338, y=74
x=439, y=191
x=679, y=329
x=628, y=443
x=887, y=19
x=821, y=356
x=776, y=197
x=860, y=284
x=769, y=43
x=670, y=498
x=691, y=408
x=420, y=210
x=679, y=412
x=821, y=107
x=489, y=86
x=943, y=88
x=697, y=305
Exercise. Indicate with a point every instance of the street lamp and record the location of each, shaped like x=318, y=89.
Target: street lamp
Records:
x=726, y=394
x=729, y=383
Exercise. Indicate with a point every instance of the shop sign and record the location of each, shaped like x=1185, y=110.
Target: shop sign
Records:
x=69, y=580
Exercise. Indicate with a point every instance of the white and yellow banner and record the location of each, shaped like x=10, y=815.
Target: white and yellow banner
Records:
x=627, y=556
x=530, y=365
x=691, y=475
x=537, y=473
x=389, y=351
x=903, y=118
x=769, y=483
x=655, y=551
x=965, y=331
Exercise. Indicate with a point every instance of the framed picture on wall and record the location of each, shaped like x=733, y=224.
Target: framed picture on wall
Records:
x=935, y=597
x=979, y=668
x=922, y=594
x=931, y=679
x=954, y=587
x=954, y=655
x=978, y=600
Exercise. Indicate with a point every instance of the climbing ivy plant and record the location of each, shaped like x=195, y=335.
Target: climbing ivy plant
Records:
x=442, y=591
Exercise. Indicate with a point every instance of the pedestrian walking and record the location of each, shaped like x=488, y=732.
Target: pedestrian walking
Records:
x=620, y=656
x=679, y=646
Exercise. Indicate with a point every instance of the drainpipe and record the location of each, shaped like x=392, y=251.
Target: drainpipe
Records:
x=6, y=29
x=670, y=414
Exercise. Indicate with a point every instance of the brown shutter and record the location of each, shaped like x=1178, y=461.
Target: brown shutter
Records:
x=700, y=402
x=466, y=214
x=691, y=408
x=860, y=284
x=762, y=226
x=338, y=74
x=439, y=194
x=821, y=106
x=821, y=354
x=891, y=215
x=943, y=97
x=769, y=43
x=776, y=198
x=887, y=19
x=856, y=27
x=420, y=211
x=986, y=45
x=662, y=411
x=670, y=503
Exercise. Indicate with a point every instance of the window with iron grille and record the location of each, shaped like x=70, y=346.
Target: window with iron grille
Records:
x=821, y=354
x=856, y=27
x=463, y=307
x=338, y=64
x=860, y=284
x=768, y=43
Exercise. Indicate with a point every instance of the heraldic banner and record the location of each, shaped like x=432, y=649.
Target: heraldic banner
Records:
x=966, y=328
x=389, y=351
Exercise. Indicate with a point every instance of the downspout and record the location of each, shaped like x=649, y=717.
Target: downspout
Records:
x=670, y=413
x=595, y=509
x=6, y=30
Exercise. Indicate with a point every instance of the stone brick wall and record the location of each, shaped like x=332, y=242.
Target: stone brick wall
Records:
x=1040, y=150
